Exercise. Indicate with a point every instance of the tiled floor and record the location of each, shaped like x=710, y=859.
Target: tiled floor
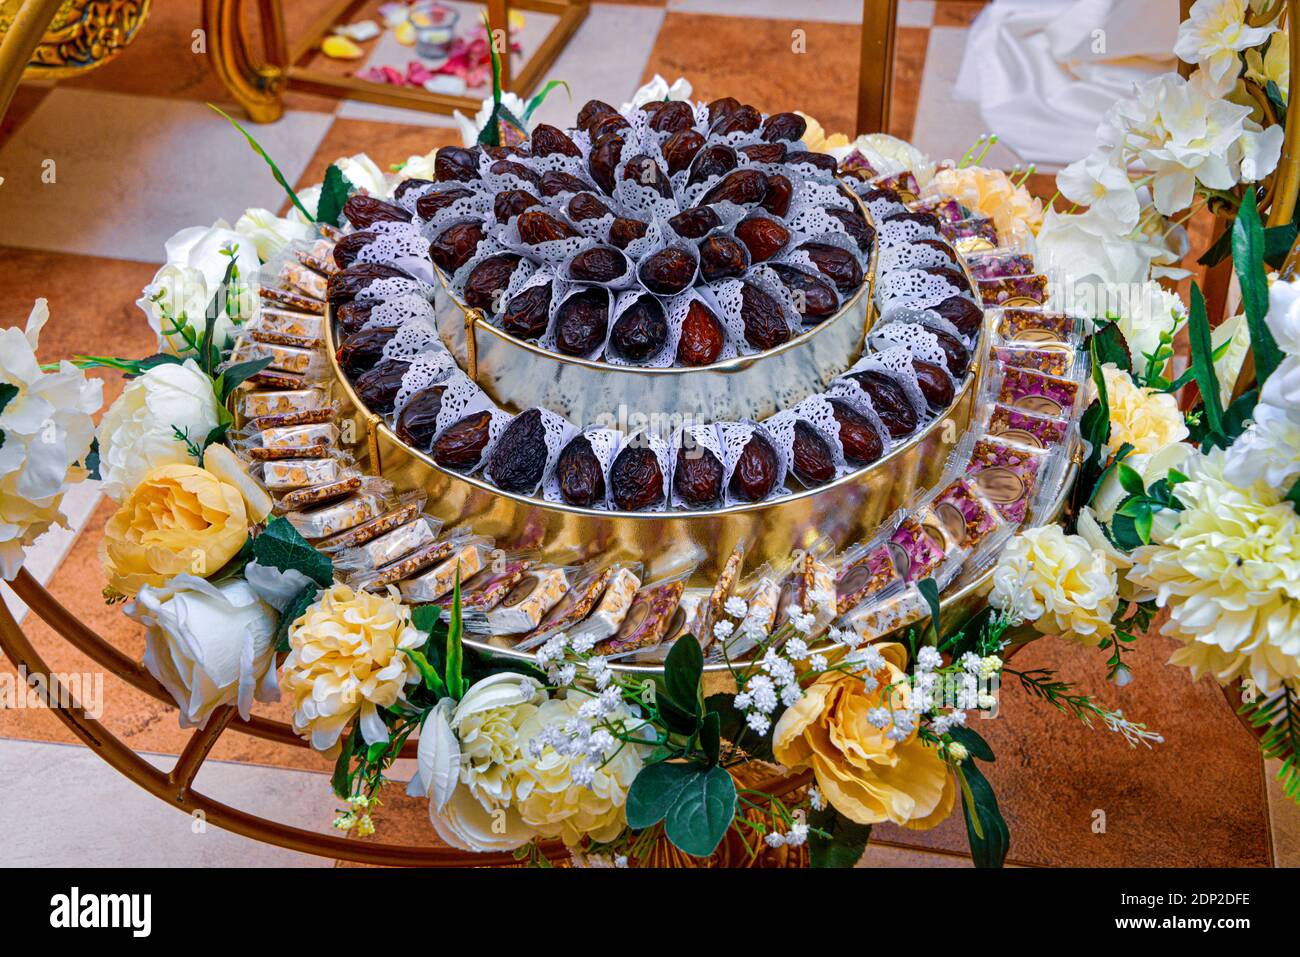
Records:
x=137, y=155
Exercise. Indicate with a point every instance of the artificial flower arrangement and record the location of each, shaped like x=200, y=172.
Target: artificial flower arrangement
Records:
x=1190, y=511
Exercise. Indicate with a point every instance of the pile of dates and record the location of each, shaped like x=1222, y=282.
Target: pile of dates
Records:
x=661, y=206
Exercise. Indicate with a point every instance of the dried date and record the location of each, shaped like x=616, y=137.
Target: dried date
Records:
x=353, y=315
x=603, y=162
x=455, y=245
x=755, y=473
x=512, y=202
x=348, y=248
x=669, y=271
x=598, y=264
x=548, y=140
x=527, y=314
x=581, y=322
x=721, y=107
x=418, y=421
x=578, y=473
x=779, y=193
x=716, y=160
x=697, y=478
x=765, y=322
x=519, y=458
x=593, y=110
x=347, y=284
x=897, y=414
x=641, y=331
x=363, y=350
x=674, y=116
x=855, y=225
x=680, y=149
x=364, y=211
x=461, y=444
x=517, y=170
x=695, y=223
x=765, y=152
x=814, y=299
x=555, y=182
x=811, y=458
x=722, y=257
x=644, y=170
x=838, y=265
x=434, y=202
x=635, y=480
x=455, y=163
x=744, y=187
x=955, y=354
x=962, y=313
x=623, y=232
x=936, y=385
x=763, y=237
x=537, y=226
x=861, y=442
x=378, y=388
x=702, y=337
x=586, y=206
x=784, y=126
x=488, y=282
x=743, y=119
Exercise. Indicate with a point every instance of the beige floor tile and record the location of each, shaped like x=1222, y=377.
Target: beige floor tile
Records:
x=131, y=170
x=823, y=11
x=78, y=812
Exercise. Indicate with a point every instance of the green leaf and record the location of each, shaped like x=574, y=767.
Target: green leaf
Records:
x=237, y=374
x=1278, y=241
x=536, y=101
x=677, y=719
x=292, y=612
x=1219, y=251
x=453, y=669
x=929, y=590
x=1235, y=420
x=341, y=779
x=333, y=194
x=8, y=392
x=1275, y=98
x=682, y=671
x=711, y=736
x=985, y=828
x=1198, y=326
x=275, y=170
x=1130, y=480
x=209, y=355
x=426, y=617
x=702, y=811
x=1123, y=532
x=432, y=680
x=281, y=546
x=1111, y=346
x=971, y=740
x=654, y=791
x=1142, y=526
x=845, y=843
x=1248, y=260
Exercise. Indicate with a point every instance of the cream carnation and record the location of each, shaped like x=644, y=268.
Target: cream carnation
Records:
x=45, y=430
x=1057, y=582
x=547, y=797
x=348, y=659
x=1143, y=418
x=139, y=431
x=1229, y=573
x=271, y=233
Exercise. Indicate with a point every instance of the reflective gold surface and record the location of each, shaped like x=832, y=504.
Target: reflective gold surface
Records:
x=82, y=35
x=519, y=375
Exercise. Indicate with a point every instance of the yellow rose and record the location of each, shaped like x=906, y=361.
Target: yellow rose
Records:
x=348, y=659
x=179, y=519
x=1144, y=418
x=1015, y=213
x=1057, y=582
x=865, y=774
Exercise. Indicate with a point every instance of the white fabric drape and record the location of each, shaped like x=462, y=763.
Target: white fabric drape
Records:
x=1044, y=71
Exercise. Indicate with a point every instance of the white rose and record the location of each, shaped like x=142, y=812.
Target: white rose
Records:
x=271, y=233
x=1085, y=246
x=418, y=167
x=437, y=758
x=659, y=89
x=467, y=825
x=46, y=429
x=363, y=173
x=209, y=645
x=138, y=432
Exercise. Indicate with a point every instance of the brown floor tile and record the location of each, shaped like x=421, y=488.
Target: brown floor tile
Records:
x=135, y=718
x=161, y=60
x=26, y=99
x=92, y=306
x=752, y=60
x=957, y=13
x=1194, y=801
x=909, y=66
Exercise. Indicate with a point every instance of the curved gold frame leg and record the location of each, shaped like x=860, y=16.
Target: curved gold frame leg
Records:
x=258, y=89
x=20, y=41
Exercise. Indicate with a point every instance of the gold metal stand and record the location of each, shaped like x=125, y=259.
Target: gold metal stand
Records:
x=876, y=65
x=258, y=83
